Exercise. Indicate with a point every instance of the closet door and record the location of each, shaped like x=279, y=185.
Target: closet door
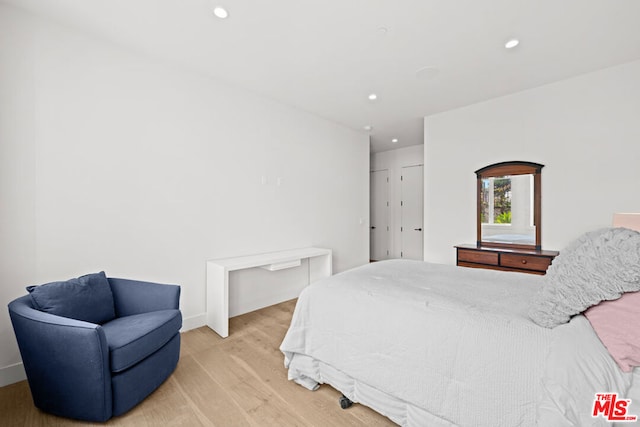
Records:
x=379, y=215
x=411, y=207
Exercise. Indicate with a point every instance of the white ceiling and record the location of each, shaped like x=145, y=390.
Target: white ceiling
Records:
x=326, y=56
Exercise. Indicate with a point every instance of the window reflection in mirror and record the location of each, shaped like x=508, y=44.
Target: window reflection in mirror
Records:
x=508, y=205
x=507, y=209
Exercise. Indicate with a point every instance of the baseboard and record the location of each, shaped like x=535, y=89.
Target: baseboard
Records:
x=193, y=322
x=12, y=374
x=200, y=320
x=277, y=298
x=15, y=373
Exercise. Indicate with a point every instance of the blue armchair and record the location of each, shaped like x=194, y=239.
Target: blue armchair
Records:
x=91, y=351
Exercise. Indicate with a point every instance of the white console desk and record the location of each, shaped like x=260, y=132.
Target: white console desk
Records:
x=218, y=277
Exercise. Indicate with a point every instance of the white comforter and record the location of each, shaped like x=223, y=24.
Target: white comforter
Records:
x=453, y=343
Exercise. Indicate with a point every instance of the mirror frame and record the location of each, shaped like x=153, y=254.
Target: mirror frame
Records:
x=512, y=168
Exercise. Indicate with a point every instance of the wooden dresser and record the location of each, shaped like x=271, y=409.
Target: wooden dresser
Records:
x=522, y=260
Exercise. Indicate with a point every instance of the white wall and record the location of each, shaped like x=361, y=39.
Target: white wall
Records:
x=585, y=130
x=112, y=161
x=394, y=161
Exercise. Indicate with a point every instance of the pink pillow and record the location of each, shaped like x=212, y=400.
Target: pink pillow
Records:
x=617, y=324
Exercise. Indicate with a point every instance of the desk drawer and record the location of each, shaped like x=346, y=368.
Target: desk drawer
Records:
x=478, y=257
x=525, y=262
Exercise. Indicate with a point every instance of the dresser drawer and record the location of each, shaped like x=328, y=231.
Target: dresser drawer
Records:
x=505, y=259
x=478, y=257
x=526, y=262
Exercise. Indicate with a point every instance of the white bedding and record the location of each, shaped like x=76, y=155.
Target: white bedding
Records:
x=430, y=344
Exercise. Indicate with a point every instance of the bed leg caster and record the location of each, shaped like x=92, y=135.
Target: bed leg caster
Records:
x=345, y=402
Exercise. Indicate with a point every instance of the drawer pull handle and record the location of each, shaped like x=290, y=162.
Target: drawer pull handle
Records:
x=524, y=261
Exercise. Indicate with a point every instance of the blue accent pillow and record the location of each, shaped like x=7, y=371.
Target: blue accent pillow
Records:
x=86, y=298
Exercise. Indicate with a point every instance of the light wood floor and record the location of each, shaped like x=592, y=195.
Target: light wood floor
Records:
x=237, y=381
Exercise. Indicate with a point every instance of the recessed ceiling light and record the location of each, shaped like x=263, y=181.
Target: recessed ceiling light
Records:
x=367, y=127
x=373, y=96
x=512, y=43
x=394, y=140
x=220, y=12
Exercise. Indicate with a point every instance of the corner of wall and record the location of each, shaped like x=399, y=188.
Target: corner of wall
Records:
x=193, y=322
x=12, y=374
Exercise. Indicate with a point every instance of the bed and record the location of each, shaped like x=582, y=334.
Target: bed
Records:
x=438, y=345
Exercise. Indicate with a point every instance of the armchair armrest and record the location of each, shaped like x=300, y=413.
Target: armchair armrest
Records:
x=135, y=297
x=66, y=362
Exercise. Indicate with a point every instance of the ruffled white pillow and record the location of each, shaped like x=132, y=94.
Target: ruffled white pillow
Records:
x=600, y=265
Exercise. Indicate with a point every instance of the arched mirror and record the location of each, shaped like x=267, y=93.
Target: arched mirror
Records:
x=509, y=205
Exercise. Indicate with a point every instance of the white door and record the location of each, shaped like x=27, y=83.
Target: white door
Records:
x=411, y=206
x=379, y=215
